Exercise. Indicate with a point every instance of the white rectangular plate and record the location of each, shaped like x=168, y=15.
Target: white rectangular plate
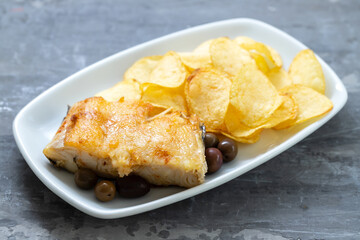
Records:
x=37, y=122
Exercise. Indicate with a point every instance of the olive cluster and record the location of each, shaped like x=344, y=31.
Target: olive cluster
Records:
x=131, y=186
x=217, y=152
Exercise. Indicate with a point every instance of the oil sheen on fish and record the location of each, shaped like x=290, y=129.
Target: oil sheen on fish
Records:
x=118, y=138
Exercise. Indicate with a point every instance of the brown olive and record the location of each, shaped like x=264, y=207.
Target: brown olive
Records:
x=105, y=190
x=132, y=186
x=85, y=178
x=228, y=148
x=210, y=140
x=214, y=159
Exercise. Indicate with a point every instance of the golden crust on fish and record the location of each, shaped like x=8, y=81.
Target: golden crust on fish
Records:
x=119, y=138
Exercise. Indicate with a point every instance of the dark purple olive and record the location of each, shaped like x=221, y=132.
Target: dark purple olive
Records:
x=85, y=178
x=214, y=159
x=210, y=140
x=132, y=186
x=105, y=190
x=228, y=148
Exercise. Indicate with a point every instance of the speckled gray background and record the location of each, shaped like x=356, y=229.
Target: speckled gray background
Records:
x=311, y=191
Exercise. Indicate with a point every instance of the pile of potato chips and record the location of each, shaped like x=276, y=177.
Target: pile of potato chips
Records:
x=236, y=87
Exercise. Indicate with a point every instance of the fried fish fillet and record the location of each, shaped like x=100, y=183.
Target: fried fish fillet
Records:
x=118, y=138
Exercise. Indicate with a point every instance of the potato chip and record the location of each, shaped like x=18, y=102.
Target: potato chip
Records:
x=128, y=89
x=287, y=112
x=234, y=126
x=275, y=56
x=260, y=62
x=194, y=60
x=204, y=48
x=305, y=69
x=261, y=49
x=157, y=111
x=279, y=78
x=207, y=94
x=228, y=56
x=251, y=139
x=170, y=71
x=164, y=97
x=199, y=58
x=253, y=95
x=141, y=70
x=310, y=104
x=244, y=40
x=269, y=55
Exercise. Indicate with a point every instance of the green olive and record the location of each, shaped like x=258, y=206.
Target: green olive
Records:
x=105, y=190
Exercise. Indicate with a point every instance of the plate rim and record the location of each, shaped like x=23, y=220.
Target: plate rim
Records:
x=167, y=200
